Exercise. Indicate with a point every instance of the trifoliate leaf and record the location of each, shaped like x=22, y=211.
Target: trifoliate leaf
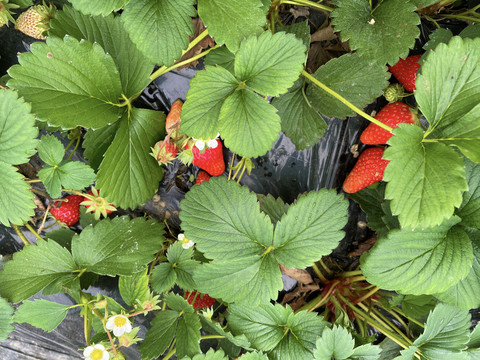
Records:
x=70, y=83
x=448, y=95
x=223, y=57
x=207, y=93
x=134, y=287
x=6, y=312
x=379, y=216
x=465, y=294
x=383, y=34
x=275, y=208
x=310, y=229
x=33, y=268
x=96, y=143
x=71, y=174
x=254, y=279
x=469, y=211
x=117, y=247
x=446, y=333
x=425, y=179
x=168, y=23
x=108, y=31
x=229, y=22
x=223, y=207
x=299, y=120
x=248, y=124
x=188, y=335
x=104, y=7
x=209, y=355
x=269, y=64
x=419, y=262
x=16, y=199
x=277, y=329
x=160, y=335
x=41, y=313
x=51, y=150
x=353, y=77
x=335, y=342
x=18, y=134
x=128, y=174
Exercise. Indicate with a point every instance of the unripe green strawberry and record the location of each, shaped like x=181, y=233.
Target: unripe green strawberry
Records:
x=392, y=114
x=367, y=171
x=164, y=151
x=35, y=21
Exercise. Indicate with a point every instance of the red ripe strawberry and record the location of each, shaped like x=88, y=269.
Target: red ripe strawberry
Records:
x=367, y=171
x=391, y=115
x=210, y=159
x=172, y=122
x=35, y=21
x=405, y=71
x=69, y=211
x=202, y=176
x=201, y=300
x=164, y=151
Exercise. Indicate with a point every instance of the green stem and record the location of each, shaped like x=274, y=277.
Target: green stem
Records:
x=345, y=101
x=231, y=166
x=397, y=310
x=307, y=3
x=33, y=181
x=351, y=273
x=21, y=235
x=432, y=20
x=392, y=325
x=319, y=273
x=163, y=69
x=69, y=144
x=204, y=337
x=459, y=17
x=33, y=231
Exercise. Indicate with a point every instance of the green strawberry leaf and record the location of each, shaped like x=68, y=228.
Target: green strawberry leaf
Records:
x=446, y=333
x=22, y=278
x=274, y=328
x=366, y=352
x=448, y=95
x=469, y=210
x=16, y=199
x=6, y=312
x=439, y=36
x=417, y=306
x=57, y=79
x=270, y=63
x=310, y=229
x=18, y=134
x=51, y=150
x=299, y=120
x=207, y=93
x=223, y=207
x=209, y=355
x=179, y=269
x=254, y=356
x=96, y=143
x=104, y=7
x=301, y=30
x=379, y=216
x=188, y=335
x=128, y=174
x=168, y=23
x=214, y=327
x=275, y=208
x=425, y=179
x=134, y=287
x=420, y=4
x=465, y=294
x=383, y=34
x=223, y=57
x=419, y=262
x=43, y=314
x=360, y=84
x=160, y=335
x=117, y=247
x=229, y=22
x=248, y=124
x=108, y=31
x=71, y=174
x=472, y=31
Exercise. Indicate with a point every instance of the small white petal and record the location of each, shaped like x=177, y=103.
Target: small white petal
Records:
x=110, y=325
x=87, y=351
x=200, y=144
x=188, y=245
x=118, y=331
x=181, y=237
x=212, y=143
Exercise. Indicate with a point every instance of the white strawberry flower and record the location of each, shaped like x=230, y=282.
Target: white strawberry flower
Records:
x=186, y=244
x=119, y=324
x=96, y=352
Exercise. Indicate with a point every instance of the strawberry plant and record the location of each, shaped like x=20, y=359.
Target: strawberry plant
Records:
x=212, y=285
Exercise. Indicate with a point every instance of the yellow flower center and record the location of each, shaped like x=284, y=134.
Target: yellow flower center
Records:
x=185, y=240
x=96, y=354
x=119, y=321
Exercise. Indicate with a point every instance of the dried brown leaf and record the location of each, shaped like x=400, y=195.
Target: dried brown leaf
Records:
x=198, y=28
x=302, y=276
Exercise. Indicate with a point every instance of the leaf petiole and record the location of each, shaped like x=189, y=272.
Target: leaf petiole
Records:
x=307, y=3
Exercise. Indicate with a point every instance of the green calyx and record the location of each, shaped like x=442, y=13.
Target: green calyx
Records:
x=6, y=13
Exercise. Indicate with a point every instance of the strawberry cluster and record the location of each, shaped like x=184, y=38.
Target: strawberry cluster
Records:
x=370, y=165
x=207, y=155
